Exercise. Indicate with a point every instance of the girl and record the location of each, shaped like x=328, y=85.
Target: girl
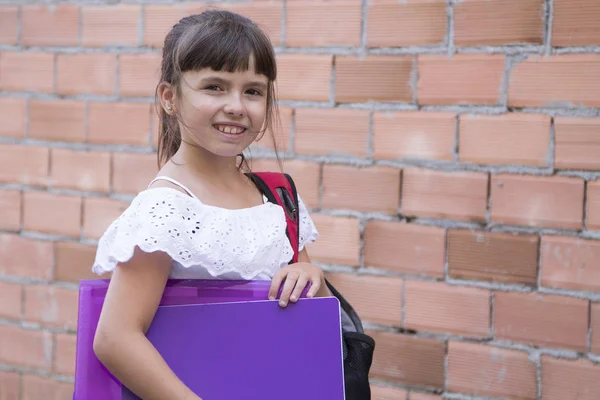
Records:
x=201, y=217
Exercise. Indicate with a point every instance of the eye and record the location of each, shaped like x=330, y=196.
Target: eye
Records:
x=254, y=92
x=214, y=88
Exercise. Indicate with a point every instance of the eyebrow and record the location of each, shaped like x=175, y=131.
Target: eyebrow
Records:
x=222, y=81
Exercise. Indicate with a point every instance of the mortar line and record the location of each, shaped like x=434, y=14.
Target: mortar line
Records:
x=589, y=332
x=142, y=25
x=585, y=205
x=551, y=156
x=363, y=25
x=548, y=25
x=450, y=30
x=456, y=147
x=283, y=33
x=19, y=25
x=540, y=259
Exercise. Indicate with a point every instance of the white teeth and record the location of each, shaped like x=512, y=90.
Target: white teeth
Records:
x=232, y=130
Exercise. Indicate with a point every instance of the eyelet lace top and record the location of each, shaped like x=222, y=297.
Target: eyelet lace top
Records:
x=204, y=242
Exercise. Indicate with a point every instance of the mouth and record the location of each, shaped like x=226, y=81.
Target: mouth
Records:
x=230, y=129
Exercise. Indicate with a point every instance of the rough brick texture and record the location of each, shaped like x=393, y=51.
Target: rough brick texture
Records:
x=449, y=152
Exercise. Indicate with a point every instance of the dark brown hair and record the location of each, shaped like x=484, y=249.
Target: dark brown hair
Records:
x=220, y=40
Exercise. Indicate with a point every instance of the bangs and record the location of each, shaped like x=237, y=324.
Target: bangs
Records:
x=225, y=45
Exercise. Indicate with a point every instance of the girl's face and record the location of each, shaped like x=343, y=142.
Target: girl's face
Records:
x=222, y=112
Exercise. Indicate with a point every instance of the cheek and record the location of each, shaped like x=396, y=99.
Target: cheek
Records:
x=257, y=113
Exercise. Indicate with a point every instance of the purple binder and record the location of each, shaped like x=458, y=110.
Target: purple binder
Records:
x=257, y=316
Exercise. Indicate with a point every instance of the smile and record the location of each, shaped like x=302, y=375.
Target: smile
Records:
x=229, y=129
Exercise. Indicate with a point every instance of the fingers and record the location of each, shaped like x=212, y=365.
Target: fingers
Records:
x=314, y=288
x=300, y=285
x=276, y=283
x=288, y=286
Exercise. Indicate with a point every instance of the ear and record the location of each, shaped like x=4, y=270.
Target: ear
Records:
x=167, y=98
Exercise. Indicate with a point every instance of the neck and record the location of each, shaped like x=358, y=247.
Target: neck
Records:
x=211, y=167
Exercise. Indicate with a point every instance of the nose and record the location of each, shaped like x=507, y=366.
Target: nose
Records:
x=234, y=105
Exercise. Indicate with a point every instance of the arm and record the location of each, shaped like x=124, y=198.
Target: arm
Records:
x=133, y=296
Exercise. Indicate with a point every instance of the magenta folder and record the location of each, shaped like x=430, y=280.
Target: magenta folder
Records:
x=226, y=341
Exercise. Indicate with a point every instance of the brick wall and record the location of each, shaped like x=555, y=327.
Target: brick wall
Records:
x=449, y=152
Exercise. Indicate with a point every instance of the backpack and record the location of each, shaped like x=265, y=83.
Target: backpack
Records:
x=357, y=346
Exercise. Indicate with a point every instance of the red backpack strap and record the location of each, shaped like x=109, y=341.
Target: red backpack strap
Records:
x=280, y=189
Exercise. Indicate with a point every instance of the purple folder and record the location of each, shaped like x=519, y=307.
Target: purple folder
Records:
x=222, y=332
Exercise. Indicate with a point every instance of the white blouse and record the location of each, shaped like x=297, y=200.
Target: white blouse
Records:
x=204, y=242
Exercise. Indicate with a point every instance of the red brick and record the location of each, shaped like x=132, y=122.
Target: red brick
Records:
x=595, y=328
x=73, y=261
x=494, y=256
x=51, y=306
x=27, y=72
x=139, y=74
x=462, y=79
x=131, y=172
x=555, y=201
x=575, y=23
x=438, y=307
x=424, y=396
x=64, y=361
x=35, y=388
x=307, y=177
x=10, y=210
x=110, y=25
x=593, y=205
x=25, y=257
x=24, y=164
x=376, y=299
x=569, y=379
x=490, y=139
x=98, y=214
x=498, y=22
x=369, y=189
x=56, y=25
x=339, y=241
x=159, y=19
x=414, y=135
x=25, y=348
x=408, y=359
x=436, y=194
x=564, y=80
x=313, y=70
x=323, y=23
x=482, y=370
x=10, y=301
x=13, y=115
x=570, y=263
x=64, y=219
x=83, y=170
x=9, y=383
x=119, y=123
x=9, y=30
x=268, y=15
x=86, y=74
x=382, y=78
x=407, y=23
x=324, y=131
x=541, y=320
x=577, y=143
x=387, y=393
x=406, y=248
x=58, y=120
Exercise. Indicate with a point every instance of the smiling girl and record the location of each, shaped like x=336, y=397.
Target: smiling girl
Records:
x=201, y=217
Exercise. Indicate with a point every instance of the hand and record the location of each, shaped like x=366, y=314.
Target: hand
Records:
x=296, y=277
